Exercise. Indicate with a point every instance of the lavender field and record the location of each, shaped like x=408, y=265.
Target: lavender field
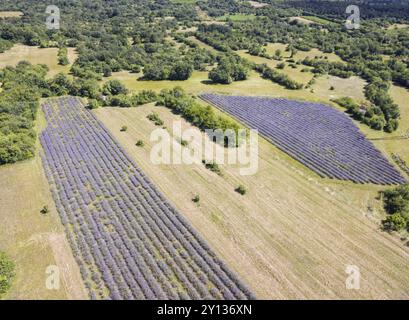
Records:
x=129, y=242
x=320, y=137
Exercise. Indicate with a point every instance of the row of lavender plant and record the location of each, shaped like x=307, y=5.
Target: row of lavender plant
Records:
x=322, y=138
x=129, y=241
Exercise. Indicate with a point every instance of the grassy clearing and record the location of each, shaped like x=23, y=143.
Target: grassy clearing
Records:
x=302, y=20
x=292, y=235
x=300, y=55
x=294, y=74
x=11, y=14
x=318, y=20
x=397, y=26
x=352, y=87
x=36, y=55
x=33, y=240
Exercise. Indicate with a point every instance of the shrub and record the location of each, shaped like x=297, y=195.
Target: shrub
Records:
x=241, y=189
x=196, y=199
x=154, y=117
x=6, y=273
x=124, y=128
x=140, y=143
x=184, y=143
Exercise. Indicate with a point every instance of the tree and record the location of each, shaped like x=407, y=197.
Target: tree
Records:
x=114, y=87
x=181, y=71
x=107, y=71
x=397, y=200
x=241, y=189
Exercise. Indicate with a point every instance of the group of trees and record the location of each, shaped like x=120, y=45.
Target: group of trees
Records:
x=396, y=203
x=63, y=56
x=22, y=88
x=361, y=50
x=278, y=77
x=370, y=115
x=6, y=273
x=201, y=116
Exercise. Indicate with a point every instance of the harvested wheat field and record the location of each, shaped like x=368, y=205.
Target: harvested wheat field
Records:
x=292, y=235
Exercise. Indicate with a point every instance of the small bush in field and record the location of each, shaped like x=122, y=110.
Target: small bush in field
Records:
x=124, y=128
x=241, y=189
x=196, y=199
x=140, y=143
x=154, y=117
x=45, y=210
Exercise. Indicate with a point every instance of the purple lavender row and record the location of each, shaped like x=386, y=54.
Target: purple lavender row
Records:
x=322, y=138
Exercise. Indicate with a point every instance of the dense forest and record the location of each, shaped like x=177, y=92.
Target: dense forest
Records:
x=152, y=39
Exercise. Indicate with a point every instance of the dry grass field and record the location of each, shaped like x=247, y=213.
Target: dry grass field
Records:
x=33, y=240
x=37, y=55
x=10, y=14
x=292, y=235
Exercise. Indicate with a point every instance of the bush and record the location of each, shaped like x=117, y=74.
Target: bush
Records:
x=196, y=199
x=144, y=97
x=140, y=143
x=184, y=143
x=212, y=166
x=154, y=117
x=241, y=189
x=6, y=273
x=124, y=128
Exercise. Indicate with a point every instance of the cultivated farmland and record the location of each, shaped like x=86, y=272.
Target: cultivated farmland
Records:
x=130, y=243
x=293, y=233
x=320, y=137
